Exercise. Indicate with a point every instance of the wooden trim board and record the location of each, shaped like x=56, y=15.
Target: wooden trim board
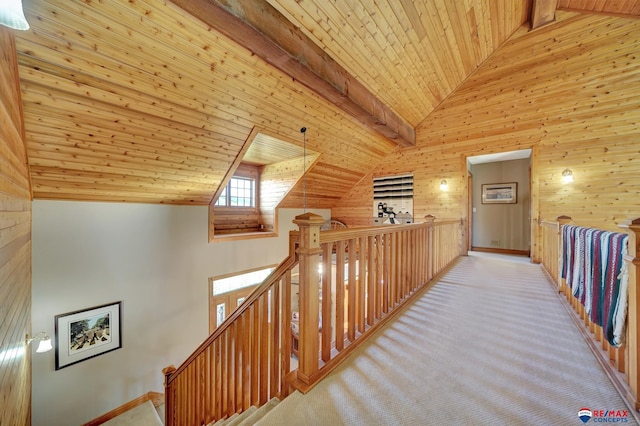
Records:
x=155, y=397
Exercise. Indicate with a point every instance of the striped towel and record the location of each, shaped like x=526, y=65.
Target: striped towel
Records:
x=615, y=290
x=594, y=268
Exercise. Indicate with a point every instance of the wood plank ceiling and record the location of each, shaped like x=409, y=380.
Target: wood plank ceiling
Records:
x=138, y=101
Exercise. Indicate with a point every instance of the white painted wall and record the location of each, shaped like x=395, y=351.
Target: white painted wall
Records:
x=153, y=258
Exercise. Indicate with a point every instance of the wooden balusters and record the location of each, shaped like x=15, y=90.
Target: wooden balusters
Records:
x=632, y=260
x=352, y=291
x=366, y=275
x=625, y=359
x=326, y=306
x=340, y=296
x=243, y=363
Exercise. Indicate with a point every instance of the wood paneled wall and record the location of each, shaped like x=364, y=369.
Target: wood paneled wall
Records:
x=15, y=246
x=570, y=91
x=276, y=180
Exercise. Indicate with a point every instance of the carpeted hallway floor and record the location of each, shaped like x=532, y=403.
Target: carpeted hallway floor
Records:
x=489, y=344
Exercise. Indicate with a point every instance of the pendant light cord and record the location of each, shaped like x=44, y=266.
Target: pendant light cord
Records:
x=304, y=169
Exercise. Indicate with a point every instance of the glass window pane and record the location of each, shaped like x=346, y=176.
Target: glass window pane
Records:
x=222, y=199
x=220, y=313
x=242, y=192
x=236, y=282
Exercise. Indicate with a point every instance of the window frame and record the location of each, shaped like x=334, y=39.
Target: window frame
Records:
x=227, y=190
x=245, y=171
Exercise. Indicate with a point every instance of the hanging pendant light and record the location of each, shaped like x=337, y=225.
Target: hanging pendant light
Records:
x=12, y=16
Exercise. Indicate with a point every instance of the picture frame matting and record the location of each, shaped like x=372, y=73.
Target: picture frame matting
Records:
x=500, y=193
x=87, y=333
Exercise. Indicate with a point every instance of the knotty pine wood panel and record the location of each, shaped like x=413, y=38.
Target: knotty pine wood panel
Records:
x=240, y=221
x=411, y=54
x=628, y=7
x=277, y=179
x=324, y=184
x=165, y=124
x=15, y=246
x=106, y=124
x=570, y=90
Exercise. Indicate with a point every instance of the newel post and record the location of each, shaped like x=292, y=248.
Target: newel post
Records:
x=309, y=251
x=429, y=220
x=562, y=220
x=168, y=395
x=632, y=260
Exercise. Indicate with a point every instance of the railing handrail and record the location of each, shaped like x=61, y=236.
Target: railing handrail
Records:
x=549, y=223
x=334, y=235
x=287, y=264
x=246, y=360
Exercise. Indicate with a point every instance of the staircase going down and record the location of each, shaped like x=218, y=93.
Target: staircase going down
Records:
x=248, y=417
x=147, y=415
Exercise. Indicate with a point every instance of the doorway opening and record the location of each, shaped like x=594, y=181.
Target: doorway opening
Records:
x=499, y=203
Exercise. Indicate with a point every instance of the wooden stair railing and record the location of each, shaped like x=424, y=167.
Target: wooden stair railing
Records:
x=367, y=274
x=622, y=364
x=243, y=363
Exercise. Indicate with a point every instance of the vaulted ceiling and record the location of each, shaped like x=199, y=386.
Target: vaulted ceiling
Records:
x=148, y=101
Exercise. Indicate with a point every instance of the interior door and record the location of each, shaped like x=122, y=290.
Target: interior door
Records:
x=221, y=305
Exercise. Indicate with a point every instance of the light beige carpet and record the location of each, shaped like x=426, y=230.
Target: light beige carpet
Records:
x=489, y=344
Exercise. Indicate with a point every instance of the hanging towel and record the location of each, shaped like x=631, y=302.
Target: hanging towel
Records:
x=579, y=264
x=588, y=269
x=594, y=268
x=568, y=244
x=599, y=255
x=615, y=291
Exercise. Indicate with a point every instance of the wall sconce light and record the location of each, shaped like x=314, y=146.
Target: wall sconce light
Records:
x=567, y=176
x=12, y=16
x=43, y=338
x=444, y=185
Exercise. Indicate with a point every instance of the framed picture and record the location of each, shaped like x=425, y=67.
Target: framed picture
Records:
x=87, y=333
x=500, y=193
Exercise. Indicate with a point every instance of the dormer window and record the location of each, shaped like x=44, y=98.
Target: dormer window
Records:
x=239, y=192
x=245, y=204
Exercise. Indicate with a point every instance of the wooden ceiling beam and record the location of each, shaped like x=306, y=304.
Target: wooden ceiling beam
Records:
x=263, y=30
x=543, y=12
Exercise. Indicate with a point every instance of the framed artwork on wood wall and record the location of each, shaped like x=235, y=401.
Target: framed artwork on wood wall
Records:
x=87, y=333
x=500, y=193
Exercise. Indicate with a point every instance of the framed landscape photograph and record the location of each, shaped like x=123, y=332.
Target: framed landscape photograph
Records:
x=87, y=333
x=500, y=193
